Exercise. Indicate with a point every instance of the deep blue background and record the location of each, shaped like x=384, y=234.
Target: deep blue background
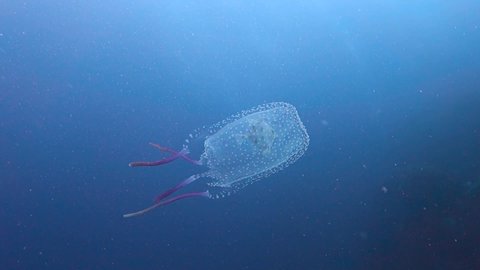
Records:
x=388, y=90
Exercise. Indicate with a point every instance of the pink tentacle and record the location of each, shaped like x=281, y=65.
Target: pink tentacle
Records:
x=175, y=188
x=182, y=154
x=160, y=199
x=153, y=163
x=169, y=201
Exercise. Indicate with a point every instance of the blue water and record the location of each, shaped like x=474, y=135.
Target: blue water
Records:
x=389, y=92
